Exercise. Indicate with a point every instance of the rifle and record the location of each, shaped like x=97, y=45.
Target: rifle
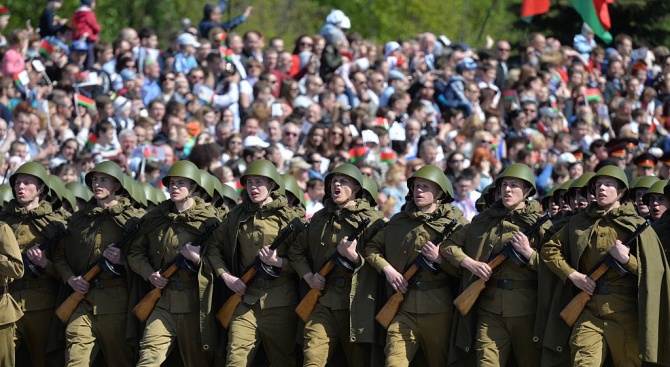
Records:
x=67, y=308
x=33, y=270
x=225, y=313
x=307, y=305
x=571, y=312
x=390, y=309
x=144, y=308
x=467, y=299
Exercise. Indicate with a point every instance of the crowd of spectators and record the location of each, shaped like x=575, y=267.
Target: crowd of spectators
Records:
x=69, y=99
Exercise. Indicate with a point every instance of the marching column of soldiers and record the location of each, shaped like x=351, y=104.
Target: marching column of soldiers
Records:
x=116, y=273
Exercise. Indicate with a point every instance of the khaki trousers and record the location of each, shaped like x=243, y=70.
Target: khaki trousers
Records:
x=33, y=330
x=7, y=345
x=498, y=336
x=408, y=332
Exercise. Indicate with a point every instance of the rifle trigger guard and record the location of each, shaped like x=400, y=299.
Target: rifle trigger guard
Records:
x=183, y=263
x=30, y=268
x=269, y=270
x=345, y=263
x=428, y=265
x=511, y=253
x=117, y=270
x=615, y=265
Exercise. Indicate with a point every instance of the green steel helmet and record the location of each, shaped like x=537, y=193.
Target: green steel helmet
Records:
x=642, y=182
x=346, y=169
x=581, y=182
x=613, y=172
x=134, y=190
x=229, y=193
x=57, y=187
x=520, y=171
x=79, y=190
x=263, y=168
x=71, y=199
x=434, y=175
x=160, y=195
x=291, y=185
x=30, y=168
x=149, y=192
x=6, y=194
x=208, y=182
x=109, y=168
x=657, y=188
x=370, y=186
x=489, y=194
x=184, y=169
x=562, y=188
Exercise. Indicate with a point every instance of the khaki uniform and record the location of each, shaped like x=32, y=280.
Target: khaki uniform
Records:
x=609, y=323
x=505, y=310
x=267, y=314
x=346, y=309
x=99, y=322
x=662, y=229
x=425, y=315
x=36, y=296
x=177, y=316
x=11, y=267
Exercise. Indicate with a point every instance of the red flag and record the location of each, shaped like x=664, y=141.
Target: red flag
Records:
x=530, y=8
x=603, y=12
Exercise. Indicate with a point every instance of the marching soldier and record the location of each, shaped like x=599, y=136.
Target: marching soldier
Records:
x=99, y=322
x=505, y=311
x=34, y=223
x=11, y=267
x=294, y=195
x=266, y=316
x=345, y=311
x=425, y=315
x=638, y=187
x=657, y=200
x=610, y=322
x=167, y=231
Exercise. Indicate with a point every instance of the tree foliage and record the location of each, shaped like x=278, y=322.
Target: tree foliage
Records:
x=379, y=20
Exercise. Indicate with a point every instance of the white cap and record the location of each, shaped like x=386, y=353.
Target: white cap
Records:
x=254, y=141
x=391, y=47
x=370, y=137
x=187, y=39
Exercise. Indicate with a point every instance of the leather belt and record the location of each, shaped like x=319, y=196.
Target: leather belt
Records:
x=265, y=284
x=510, y=284
x=179, y=285
x=615, y=289
x=22, y=285
x=107, y=283
x=422, y=285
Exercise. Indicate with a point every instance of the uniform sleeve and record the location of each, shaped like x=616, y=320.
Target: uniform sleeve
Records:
x=297, y=253
x=375, y=250
x=60, y=261
x=552, y=254
x=214, y=249
x=452, y=249
x=138, y=256
x=11, y=263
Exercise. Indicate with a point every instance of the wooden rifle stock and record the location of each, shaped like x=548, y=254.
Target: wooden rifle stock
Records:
x=308, y=303
x=574, y=309
x=67, y=308
x=387, y=313
x=225, y=313
x=467, y=299
x=144, y=308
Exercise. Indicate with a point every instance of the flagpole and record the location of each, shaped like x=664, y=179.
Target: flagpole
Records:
x=488, y=15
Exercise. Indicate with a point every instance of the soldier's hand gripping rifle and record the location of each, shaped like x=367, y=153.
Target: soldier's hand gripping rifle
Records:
x=144, y=308
x=390, y=309
x=467, y=299
x=571, y=312
x=307, y=305
x=33, y=270
x=67, y=308
x=225, y=313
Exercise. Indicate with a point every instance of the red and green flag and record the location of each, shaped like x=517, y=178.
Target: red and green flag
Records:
x=595, y=13
x=46, y=48
x=593, y=95
x=85, y=101
x=357, y=154
x=239, y=188
x=387, y=156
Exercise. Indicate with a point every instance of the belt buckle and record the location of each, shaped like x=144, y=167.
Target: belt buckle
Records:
x=507, y=284
x=339, y=282
x=420, y=285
